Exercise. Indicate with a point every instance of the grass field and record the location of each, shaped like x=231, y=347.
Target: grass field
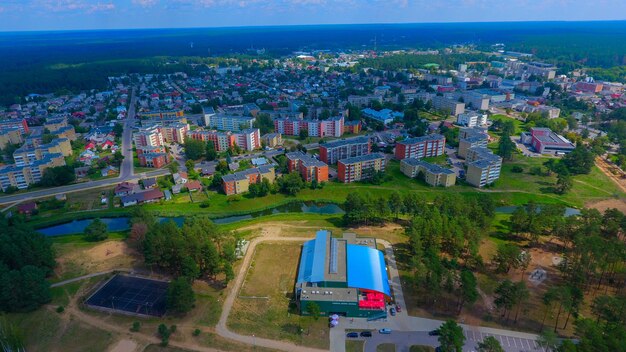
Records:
x=386, y=347
x=354, y=345
x=262, y=307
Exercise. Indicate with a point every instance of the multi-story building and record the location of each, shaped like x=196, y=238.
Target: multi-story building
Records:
x=310, y=168
x=230, y=122
x=364, y=100
x=162, y=114
x=360, y=168
x=240, y=182
x=175, y=133
x=448, y=104
x=21, y=176
x=471, y=119
x=386, y=116
x=434, y=175
x=421, y=147
x=332, y=127
x=148, y=136
x=272, y=139
x=470, y=137
x=352, y=127
x=483, y=167
x=544, y=141
x=10, y=136
x=331, y=152
x=27, y=154
x=15, y=123
x=207, y=113
x=221, y=140
x=155, y=160
x=475, y=100
x=248, y=139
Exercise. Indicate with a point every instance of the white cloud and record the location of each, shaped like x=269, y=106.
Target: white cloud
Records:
x=145, y=3
x=73, y=5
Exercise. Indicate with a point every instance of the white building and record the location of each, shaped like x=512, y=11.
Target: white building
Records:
x=471, y=119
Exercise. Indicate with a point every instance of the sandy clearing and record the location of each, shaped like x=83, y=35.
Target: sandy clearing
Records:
x=125, y=345
x=619, y=204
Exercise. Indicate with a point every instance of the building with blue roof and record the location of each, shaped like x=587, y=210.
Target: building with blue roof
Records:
x=345, y=276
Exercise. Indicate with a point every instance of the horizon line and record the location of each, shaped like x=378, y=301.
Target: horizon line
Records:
x=301, y=25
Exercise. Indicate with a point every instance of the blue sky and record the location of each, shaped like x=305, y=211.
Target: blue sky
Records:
x=108, y=14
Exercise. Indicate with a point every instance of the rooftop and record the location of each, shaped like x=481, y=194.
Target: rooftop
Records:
x=344, y=142
x=429, y=137
x=361, y=158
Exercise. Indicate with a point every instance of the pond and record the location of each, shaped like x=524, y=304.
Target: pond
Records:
x=511, y=209
x=122, y=223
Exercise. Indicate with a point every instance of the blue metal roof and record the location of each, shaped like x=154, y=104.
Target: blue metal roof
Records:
x=366, y=269
x=313, y=259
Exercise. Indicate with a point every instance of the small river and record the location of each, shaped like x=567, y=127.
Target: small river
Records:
x=123, y=224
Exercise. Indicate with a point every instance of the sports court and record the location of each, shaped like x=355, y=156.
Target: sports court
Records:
x=131, y=295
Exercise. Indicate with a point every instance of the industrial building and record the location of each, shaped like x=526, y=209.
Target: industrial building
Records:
x=544, y=141
x=345, y=276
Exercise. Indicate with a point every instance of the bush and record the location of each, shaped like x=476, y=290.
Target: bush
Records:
x=205, y=204
x=60, y=309
x=196, y=332
x=136, y=326
x=172, y=329
x=517, y=169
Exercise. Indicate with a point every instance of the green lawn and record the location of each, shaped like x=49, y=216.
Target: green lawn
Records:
x=354, y=345
x=519, y=125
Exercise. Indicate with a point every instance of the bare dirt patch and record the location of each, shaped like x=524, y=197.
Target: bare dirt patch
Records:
x=125, y=345
x=75, y=260
x=619, y=204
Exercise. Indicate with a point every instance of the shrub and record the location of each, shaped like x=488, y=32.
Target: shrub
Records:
x=196, y=332
x=136, y=326
x=517, y=169
x=60, y=309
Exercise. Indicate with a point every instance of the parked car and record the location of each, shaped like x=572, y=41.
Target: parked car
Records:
x=434, y=333
x=392, y=311
x=352, y=334
x=366, y=334
x=384, y=331
x=398, y=308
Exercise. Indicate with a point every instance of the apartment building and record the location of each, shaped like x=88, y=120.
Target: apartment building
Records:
x=155, y=160
x=10, y=136
x=175, y=133
x=421, y=147
x=352, y=127
x=310, y=168
x=448, y=104
x=332, y=127
x=331, y=152
x=15, y=123
x=28, y=154
x=471, y=137
x=148, y=136
x=248, y=139
x=162, y=114
x=240, y=182
x=221, y=140
x=272, y=139
x=471, y=119
x=433, y=175
x=230, y=122
x=360, y=168
x=483, y=167
x=364, y=100
x=21, y=176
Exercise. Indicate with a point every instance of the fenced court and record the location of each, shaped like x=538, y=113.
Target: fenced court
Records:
x=131, y=295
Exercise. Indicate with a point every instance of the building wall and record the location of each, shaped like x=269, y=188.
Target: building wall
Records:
x=333, y=154
x=358, y=171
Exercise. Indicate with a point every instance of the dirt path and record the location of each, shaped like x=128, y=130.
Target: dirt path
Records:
x=606, y=168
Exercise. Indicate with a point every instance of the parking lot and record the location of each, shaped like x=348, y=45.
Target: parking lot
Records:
x=510, y=344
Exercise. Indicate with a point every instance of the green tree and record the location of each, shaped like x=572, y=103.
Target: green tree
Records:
x=313, y=309
x=396, y=205
x=304, y=133
x=264, y=123
x=507, y=257
x=506, y=147
x=96, y=231
x=451, y=337
x=291, y=183
x=194, y=149
x=211, y=153
x=468, y=288
x=579, y=161
x=180, y=295
x=490, y=344
x=564, y=183
x=58, y=176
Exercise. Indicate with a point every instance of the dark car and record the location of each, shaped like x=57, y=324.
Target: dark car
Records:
x=366, y=334
x=434, y=333
x=392, y=311
x=352, y=334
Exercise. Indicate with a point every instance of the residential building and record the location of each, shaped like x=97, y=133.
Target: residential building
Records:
x=28, y=154
x=364, y=100
x=352, y=127
x=386, y=116
x=248, y=139
x=475, y=100
x=155, y=160
x=332, y=127
x=162, y=114
x=21, y=176
x=483, y=167
x=15, y=123
x=142, y=197
x=360, y=167
x=544, y=141
x=331, y=152
x=175, y=133
x=272, y=139
x=434, y=175
x=207, y=113
x=448, y=104
x=345, y=276
x=230, y=122
x=310, y=168
x=10, y=136
x=421, y=147
x=239, y=182
x=471, y=119
x=221, y=140
x=471, y=137
x=148, y=136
